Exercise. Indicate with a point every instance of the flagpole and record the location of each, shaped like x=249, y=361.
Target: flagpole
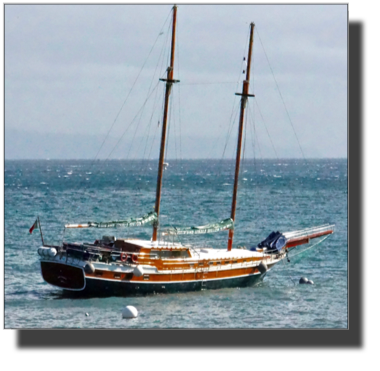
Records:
x=39, y=225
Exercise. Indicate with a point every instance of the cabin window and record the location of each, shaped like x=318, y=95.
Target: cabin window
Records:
x=98, y=274
x=146, y=277
x=234, y=262
x=177, y=254
x=153, y=254
x=218, y=263
x=200, y=264
x=210, y=263
x=174, y=254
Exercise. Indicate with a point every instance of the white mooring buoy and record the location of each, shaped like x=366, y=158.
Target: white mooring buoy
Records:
x=130, y=312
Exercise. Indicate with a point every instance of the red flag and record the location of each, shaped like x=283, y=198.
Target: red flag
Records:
x=35, y=225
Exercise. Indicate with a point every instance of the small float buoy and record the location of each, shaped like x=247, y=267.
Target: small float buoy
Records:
x=89, y=268
x=262, y=267
x=52, y=252
x=303, y=280
x=46, y=251
x=87, y=314
x=138, y=271
x=310, y=282
x=129, y=312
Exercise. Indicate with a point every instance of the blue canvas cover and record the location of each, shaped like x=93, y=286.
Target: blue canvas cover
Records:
x=273, y=243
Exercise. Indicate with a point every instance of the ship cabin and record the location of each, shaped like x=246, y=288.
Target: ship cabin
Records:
x=131, y=251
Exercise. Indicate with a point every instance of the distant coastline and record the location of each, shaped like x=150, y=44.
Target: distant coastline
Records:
x=20, y=145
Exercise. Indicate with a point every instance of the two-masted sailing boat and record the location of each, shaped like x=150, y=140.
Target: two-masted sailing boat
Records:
x=120, y=266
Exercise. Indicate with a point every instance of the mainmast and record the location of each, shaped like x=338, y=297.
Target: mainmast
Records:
x=169, y=82
x=244, y=96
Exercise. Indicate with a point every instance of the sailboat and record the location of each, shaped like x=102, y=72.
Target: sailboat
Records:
x=129, y=266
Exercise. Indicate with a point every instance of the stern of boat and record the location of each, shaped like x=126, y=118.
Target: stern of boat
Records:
x=56, y=271
x=62, y=275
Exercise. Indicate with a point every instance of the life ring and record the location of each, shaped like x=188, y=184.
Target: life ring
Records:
x=123, y=257
x=134, y=258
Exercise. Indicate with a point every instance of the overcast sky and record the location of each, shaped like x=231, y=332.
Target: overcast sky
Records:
x=70, y=68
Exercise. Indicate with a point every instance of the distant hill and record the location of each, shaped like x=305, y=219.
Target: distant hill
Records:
x=33, y=145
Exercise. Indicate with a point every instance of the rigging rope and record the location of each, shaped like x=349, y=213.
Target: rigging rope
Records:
x=243, y=162
x=317, y=243
x=266, y=129
x=254, y=135
x=142, y=107
x=209, y=83
x=180, y=196
x=130, y=91
x=282, y=99
x=119, y=112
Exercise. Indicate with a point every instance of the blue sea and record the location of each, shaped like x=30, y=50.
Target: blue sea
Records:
x=279, y=194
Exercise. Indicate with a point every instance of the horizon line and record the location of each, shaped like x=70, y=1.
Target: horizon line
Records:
x=173, y=159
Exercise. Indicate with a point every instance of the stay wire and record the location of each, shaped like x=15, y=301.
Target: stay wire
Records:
x=161, y=59
x=153, y=110
x=180, y=196
x=256, y=140
x=266, y=129
x=130, y=91
x=282, y=99
x=137, y=114
x=244, y=148
x=151, y=83
x=210, y=83
x=234, y=110
x=157, y=127
x=118, y=114
x=310, y=247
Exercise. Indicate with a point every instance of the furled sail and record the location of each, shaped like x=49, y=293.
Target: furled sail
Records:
x=209, y=228
x=131, y=222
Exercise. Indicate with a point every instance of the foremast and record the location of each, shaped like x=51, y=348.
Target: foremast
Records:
x=169, y=82
x=244, y=96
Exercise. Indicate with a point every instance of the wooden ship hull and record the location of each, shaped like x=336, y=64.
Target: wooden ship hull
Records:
x=136, y=267
x=108, y=283
x=121, y=280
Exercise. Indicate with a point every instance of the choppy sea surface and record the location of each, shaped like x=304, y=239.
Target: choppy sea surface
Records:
x=282, y=195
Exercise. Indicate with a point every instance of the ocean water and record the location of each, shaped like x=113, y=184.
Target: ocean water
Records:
x=274, y=195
